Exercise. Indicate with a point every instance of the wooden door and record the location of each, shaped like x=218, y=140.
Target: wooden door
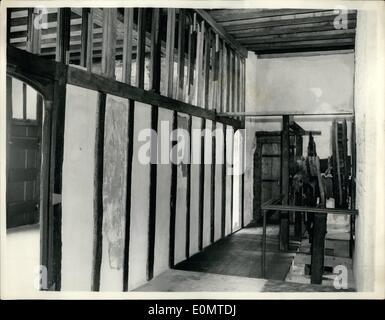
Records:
x=23, y=154
x=267, y=171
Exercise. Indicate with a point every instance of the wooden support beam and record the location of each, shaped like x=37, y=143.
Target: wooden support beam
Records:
x=126, y=78
x=63, y=35
x=170, y=44
x=284, y=216
x=33, y=34
x=318, y=248
x=229, y=15
x=127, y=44
x=256, y=24
x=141, y=47
x=90, y=40
x=98, y=193
x=84, y=36
x=56, y=177
x=239, y=35
x=223, y=34
x=109, y=42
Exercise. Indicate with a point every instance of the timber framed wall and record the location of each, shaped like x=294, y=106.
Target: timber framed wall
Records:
x=136, y=68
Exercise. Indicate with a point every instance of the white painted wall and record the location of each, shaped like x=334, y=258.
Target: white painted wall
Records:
x=313, y=84
x=78, y=186
x=369, y=108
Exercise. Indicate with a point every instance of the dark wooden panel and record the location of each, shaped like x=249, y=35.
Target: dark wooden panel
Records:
x=22, y=213
x=27, y=143
x=17, y=175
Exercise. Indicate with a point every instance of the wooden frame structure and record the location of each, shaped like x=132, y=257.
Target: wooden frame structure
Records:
x=205, y=58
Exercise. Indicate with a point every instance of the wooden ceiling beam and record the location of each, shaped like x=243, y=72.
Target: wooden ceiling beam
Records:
x=285, y=22
x=311, y=27
x=298, y=35
x=235, y=45
x=313, y=37
x=299, y=44
x=311, y=14
x=304, y=49
x=223, y=15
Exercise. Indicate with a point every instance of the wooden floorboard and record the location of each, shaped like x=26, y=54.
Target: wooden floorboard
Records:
x=240, y=255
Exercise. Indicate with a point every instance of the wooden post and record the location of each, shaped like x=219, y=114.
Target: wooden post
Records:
x=109, y=42
x=284, y=216
x=174, y=167
x=63, y=35
x=155, y=86
x=57, y=155
x=90, y=44
x=33, y=34
x=126, y=77
x=84, y=36
x=264, y=212
x=98, y=187
x=298, y=195
x=318, y=248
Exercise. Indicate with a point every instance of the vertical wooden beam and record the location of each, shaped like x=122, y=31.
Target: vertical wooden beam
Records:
x=214, y=81
x=9, y=16
x=224, y=108
x=98, y=187
x=174, y=167
x=33, y=34
x=170, y=45
x=84, y=36
x=155, y=86
x=45, y=192
x=298, y=195
x=126, y=77
x=140, y=55
x=224, y=173
x=24, y=97
x=284, y=216
x=63, y=35
x=90, y=43
x=56, y=174
x=181, y=53
x=128, y=26
x=318, y=248
x=109, y=42
x=205, y=97
x=190, y=81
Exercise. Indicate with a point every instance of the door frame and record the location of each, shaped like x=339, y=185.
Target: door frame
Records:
x=49, y=79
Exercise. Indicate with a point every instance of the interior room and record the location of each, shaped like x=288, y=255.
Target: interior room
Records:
x=188, y=149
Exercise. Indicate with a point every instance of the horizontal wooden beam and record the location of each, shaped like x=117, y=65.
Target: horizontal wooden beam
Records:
x=289, y=29
x=293, y=16
x=96, y=82
x=295, y=37
x=310, y=34
x=313, y=48
x=229, y=15
x=310, y=43
x=275, y=207
x=222, y=33
x=286, y=22
x=282, y=113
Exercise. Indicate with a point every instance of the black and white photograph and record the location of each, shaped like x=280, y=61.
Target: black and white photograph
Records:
x=199, y=149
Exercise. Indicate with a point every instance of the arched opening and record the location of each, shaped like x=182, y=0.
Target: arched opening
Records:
x=24, y=136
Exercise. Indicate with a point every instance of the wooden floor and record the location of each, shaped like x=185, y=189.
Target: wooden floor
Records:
x=190, y=281
x=240, y=255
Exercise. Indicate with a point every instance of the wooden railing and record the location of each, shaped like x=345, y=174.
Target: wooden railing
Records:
x=319, y=231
